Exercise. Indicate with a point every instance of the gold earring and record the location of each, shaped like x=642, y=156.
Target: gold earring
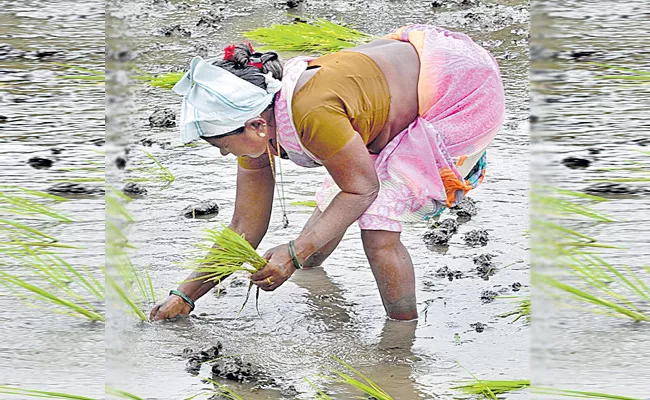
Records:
x=262, y=134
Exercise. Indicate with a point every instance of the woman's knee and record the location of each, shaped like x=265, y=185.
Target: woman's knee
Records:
x=378, y=241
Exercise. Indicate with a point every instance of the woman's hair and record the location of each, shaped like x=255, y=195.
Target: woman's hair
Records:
x=239, y=65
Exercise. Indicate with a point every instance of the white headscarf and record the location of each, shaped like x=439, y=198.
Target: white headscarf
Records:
x=216, y=101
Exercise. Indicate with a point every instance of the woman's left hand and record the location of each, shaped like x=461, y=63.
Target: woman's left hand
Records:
x=277, y=271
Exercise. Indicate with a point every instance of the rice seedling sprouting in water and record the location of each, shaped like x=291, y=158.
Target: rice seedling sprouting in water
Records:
x=578, y=394
x=40, y=394
x=40, y=276
x=320, y=36
x=130, y=285
x=625, y=74
x=156, y=172
x=354, y=378
x=85, y=74
x=522, y=310
x=490, y=388
x=308, y=203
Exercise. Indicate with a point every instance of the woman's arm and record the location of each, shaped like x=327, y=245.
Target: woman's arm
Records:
x=353, y=170
x=253, y=204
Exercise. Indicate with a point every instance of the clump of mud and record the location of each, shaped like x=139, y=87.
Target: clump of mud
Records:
x=40, y=162
x=487, y=296
x=163, y=118
x=478, y=326
x=601, y=188
x=201, y=209
x=210, y=19
x=576, y=162
x=441, y=232
x=445, y=272
x=134, y=189
x=235, y=369
x=484, y=266
x=175, y=30
x=196, y=358
x=475, y=238
x=466, y=209
x=516, y=287
x=74, y=188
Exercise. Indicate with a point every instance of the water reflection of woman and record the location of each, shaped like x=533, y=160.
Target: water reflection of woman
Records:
x=401, y=125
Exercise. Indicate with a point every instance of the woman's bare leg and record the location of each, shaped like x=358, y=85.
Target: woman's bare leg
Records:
x=393, y=269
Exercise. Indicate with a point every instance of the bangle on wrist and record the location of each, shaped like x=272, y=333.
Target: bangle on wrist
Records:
x=292, y=252
x=184, y=297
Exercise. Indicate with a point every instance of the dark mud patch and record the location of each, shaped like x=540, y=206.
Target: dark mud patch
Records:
x=120, y=162
x=147, y=142
x=75, y=189
x=175, y=31
x=611, y=188
x=134, y=189
x=441, y=232
x=205, y=208
x=576, y=162
x=196, y=358
x=479, y=327
x=211, y=19
x=162, y=118
x=235, y=369
x=484, y=266
x=465, y=210
x=483, y=17
x=516, y=286
x=488, y=296
x=476, y=238
x=445, y=272
x=40, y=162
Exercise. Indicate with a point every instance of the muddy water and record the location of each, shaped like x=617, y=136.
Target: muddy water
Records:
x=56, y=119
x=336, y=309
x=601, y=121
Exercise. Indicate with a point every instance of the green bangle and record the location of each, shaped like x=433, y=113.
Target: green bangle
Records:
x=292, y=251
x=184, y=297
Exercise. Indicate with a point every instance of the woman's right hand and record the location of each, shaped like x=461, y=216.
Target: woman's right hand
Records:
x=171, y=307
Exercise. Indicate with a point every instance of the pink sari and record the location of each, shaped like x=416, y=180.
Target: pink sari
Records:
x=440, y=156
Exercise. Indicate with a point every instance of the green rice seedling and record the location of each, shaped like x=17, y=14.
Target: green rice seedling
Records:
x=26, y=204
x=490, y=388
x=629, y=74
x=131, y=286
x=40, y=394
x=577, y=394
x=87, y=74
x=308, y=203
x=120, y=394
x=357, y=380
x=219, y=389
x=521, y=311
x=157, y=172
x=165, y=81
x=614, y=306
x=320, y=395
x=320, y=36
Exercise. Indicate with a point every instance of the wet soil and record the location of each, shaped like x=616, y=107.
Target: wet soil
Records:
x=203, y=208
x=476, y=238
x=40, y=162
x=134, y=189
x=74, y=188
x=163, y=118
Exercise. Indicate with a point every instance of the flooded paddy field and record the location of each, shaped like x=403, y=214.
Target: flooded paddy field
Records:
x=334, y=310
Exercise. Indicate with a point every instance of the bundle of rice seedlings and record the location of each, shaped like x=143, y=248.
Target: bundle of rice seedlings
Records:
x=28, y=203
x=630, y=74
x=225, y=253
x=490, y=388
x=320, y=36
x=40, y=394
x=156, y=172
x=577, y=394
x=521, y=311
